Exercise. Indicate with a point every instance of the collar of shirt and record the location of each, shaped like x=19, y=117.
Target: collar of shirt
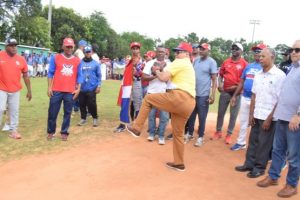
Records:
x=297, y=64
x=271, y=71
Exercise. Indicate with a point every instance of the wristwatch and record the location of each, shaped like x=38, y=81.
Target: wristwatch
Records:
x=298, y=113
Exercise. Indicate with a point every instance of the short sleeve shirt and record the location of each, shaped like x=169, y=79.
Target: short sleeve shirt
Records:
x=267, y=87
x=11, y=70
x=203, y=71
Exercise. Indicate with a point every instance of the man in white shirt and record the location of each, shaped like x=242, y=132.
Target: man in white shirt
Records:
x=156, y=86
x=265, y=92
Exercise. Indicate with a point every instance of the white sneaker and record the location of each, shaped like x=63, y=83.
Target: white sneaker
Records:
x=82, y=122
x=6, y=127
x=187, y=138
x=161, y=141
x=199, y=142
x=150, y=138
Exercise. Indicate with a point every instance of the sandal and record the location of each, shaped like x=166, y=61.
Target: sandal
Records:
x=15, y=135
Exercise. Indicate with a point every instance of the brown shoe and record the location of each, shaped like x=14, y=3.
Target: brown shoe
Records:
x=176, y=167
x=64, y=137
x=287, y=191
x=50, y=136
x=133, y=131
x=266, y=182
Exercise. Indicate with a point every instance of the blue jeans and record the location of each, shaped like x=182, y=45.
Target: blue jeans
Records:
x=163, y=122
x=286, y=145
x=54, y=107
x=201, y=109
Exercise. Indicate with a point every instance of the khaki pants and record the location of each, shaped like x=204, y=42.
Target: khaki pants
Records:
x=180, y=105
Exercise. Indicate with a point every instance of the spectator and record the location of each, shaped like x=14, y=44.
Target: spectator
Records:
x=229, y=78
x=206, y=78
x=90, y=86
x=265, y=93
x=64, y=80
x=246, y=85
x=12, y=67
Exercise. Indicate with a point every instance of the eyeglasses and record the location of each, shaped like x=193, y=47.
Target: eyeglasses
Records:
x=12, y=45
x=291, y=50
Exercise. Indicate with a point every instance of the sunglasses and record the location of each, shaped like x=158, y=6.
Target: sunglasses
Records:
x=235, y=49
x=291, y=50
x=257, y=51
x=178, y=52
x=12, y=45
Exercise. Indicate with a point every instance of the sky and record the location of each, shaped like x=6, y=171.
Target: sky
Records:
x=229, y=19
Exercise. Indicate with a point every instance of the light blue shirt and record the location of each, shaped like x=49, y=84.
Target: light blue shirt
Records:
x=203, y=71
x=289, y=98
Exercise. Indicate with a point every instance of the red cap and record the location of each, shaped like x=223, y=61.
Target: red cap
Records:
x=135, y=44
x=260, y=46
x=68, y=42
x=184, y=46
x=150, y=54
x=205, y=46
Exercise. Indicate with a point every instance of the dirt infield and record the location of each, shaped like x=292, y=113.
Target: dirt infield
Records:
x=123, y=167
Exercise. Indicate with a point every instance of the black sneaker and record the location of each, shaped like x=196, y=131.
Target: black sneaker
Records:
x=169, y=137
x=120, y=128
x=180, y=168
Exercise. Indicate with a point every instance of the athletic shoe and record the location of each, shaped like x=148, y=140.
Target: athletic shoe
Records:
x=82, y=122
x=95, y=122
x=150, y=138
x=120, y=128
x=6, y=127
x=187, y=138
x=180, y=168
x=228, y=139
x=161, y=141
x=50, y=136
x=217, y=135
x=199, y=142
x=170, y=136
x=237, y=147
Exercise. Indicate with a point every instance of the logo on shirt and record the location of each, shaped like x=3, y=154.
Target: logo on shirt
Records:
x=67, y=70
x=17, y=63
x=238, y=67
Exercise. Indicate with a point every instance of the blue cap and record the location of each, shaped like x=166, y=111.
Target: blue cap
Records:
x=87, y=49
x=82, y=43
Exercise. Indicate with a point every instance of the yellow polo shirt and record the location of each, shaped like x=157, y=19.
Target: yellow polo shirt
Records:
x=183, y=75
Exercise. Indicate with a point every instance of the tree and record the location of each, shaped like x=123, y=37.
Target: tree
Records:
x=192, y=38
x=66, y=23
x=147, y=43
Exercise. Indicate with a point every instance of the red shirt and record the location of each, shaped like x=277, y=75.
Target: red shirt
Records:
x=231, y=71
x=11, y=69
x=65, y=75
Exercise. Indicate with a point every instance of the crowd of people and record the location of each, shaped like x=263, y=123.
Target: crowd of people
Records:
x=264, y=96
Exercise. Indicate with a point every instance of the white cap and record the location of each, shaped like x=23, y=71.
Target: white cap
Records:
x=239, y=45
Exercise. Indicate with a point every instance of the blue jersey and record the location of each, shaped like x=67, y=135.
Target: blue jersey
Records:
x=248, y=75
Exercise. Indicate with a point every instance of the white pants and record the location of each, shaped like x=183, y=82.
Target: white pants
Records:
x=244, y=120
x=13, y=102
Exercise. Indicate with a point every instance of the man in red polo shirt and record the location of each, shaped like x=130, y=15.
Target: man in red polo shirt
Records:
x=229, y=78
x=64, y=80
x=12, y=67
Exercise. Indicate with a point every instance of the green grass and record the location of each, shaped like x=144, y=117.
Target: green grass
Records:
x=33, y=122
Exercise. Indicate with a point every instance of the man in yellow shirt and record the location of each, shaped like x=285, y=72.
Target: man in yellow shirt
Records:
x=179, y=101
